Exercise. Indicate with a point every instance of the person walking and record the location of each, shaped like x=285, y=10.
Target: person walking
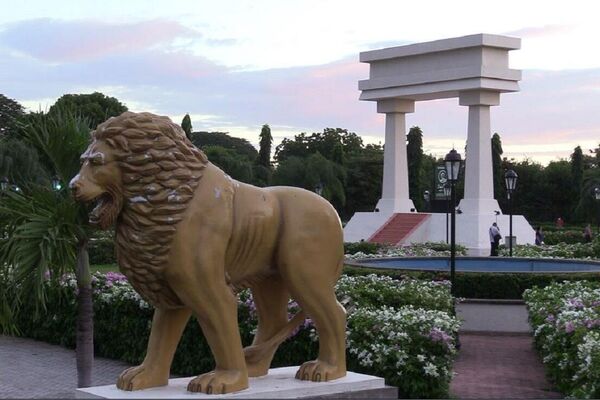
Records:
x=494, y=239
x=587, y=233
x=539, y=236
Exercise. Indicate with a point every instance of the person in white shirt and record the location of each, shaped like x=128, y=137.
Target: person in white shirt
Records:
x=494, y=239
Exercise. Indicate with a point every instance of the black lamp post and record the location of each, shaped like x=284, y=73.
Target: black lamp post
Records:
x=452, y=161
x=510, y=179
x=426, y=197
x=447, y=193
x=4, y=183
x=597, y=197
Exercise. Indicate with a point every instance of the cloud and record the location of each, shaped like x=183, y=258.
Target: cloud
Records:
x=541, y=31
x=59, y=41
x=558, y=107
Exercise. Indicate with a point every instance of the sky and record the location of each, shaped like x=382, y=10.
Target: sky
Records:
x=236, y=65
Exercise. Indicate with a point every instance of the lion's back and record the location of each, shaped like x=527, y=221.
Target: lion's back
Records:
x=309, y=220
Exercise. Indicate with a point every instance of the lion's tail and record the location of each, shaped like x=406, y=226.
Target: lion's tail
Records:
x=257, y=352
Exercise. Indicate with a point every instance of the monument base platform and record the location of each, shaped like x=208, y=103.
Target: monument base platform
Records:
x=278, y=384
x=472, y=230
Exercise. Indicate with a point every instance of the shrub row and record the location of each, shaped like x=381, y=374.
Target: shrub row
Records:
x=564, y=236
x=566, y=322
x=427, y=249
x=102, y=251
x=411, y=347
x=561, y=250
x=476, y=285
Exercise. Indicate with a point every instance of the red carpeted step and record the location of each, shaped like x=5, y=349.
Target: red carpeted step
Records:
x=398, y=227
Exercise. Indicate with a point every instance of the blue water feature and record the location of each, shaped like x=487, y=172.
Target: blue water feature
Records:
x=481, y=264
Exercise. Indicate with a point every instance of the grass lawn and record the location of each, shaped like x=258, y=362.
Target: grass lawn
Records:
x=104, y=268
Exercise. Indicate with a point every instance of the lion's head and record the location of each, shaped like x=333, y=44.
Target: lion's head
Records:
x=142, y=171
x=136, y=161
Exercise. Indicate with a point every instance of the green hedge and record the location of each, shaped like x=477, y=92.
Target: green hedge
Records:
x=479, y=285
x=412, y=348
x=564, y=236
x=102, y=251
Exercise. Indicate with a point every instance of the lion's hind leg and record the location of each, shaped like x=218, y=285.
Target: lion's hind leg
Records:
x=271, y=299
x=311, y=285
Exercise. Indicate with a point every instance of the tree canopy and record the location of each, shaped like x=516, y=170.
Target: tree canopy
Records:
x=95, y=107
x=10, y=112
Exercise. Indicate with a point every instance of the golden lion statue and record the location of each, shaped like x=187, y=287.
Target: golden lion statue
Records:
x=188, y=236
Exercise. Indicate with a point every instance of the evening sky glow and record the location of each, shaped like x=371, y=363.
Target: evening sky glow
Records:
x=235, y=65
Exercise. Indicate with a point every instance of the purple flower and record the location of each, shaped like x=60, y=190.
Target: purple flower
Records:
x=550, y=318
x=437, y=335
x=576, y=303
x=569, y=327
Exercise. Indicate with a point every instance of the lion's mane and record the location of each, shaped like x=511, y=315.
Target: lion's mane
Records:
x=160, y=170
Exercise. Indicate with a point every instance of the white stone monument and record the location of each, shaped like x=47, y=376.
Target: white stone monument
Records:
x=473, y=69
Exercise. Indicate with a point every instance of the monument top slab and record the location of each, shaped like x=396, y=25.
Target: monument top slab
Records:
x=441, y=68
x=477, y=40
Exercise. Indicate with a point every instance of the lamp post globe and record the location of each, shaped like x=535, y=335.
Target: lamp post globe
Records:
x=510, y=180
x=452, y=163
x=56, y=184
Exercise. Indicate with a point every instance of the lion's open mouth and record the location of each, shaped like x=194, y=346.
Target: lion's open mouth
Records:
x=104, y=204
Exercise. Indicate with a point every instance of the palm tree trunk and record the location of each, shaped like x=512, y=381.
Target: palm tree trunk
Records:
x=85, y=318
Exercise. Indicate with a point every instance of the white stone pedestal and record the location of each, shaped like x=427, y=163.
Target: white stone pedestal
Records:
x=472, y=231
x=278, y=384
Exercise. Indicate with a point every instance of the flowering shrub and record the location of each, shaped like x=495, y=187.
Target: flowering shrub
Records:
x=560, y=250
x=566, y=322
x=414, y=346
x=374, y=290
x=429, y=249
x=411, y=347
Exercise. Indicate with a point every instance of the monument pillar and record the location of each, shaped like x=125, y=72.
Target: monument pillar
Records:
x=479, y=179
x=394, y=194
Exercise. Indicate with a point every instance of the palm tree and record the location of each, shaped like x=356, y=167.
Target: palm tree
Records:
x=45, y=232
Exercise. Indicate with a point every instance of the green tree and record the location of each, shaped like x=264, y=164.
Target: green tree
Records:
x=222, y=139
x=19, y=163
x=10, y=112
x=324, y=142
x=497, y=170
x=266, y=140
x=414, y=153
x=186, y=125
x=46, y=232
x=577, y=168
x=234, y=164
x=96, y=107
x=311, y=173
x=364, y=171
x=588, y=208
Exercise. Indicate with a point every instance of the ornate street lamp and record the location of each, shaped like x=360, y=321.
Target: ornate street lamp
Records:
x=56, y=184
x=510, y=179
x=453, y=162
x=4, y=183
x=447, y=193
x=597, y=197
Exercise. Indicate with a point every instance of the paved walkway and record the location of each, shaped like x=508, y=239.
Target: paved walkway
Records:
x=497, y=359
x=32, y=369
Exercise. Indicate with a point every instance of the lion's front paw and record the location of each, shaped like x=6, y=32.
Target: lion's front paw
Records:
x=141, y=377
x=319, y=371
x=219, y=382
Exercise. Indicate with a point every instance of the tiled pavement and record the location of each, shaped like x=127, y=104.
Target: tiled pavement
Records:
x=497, y=359
x=32, y=369
x=488, y=365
